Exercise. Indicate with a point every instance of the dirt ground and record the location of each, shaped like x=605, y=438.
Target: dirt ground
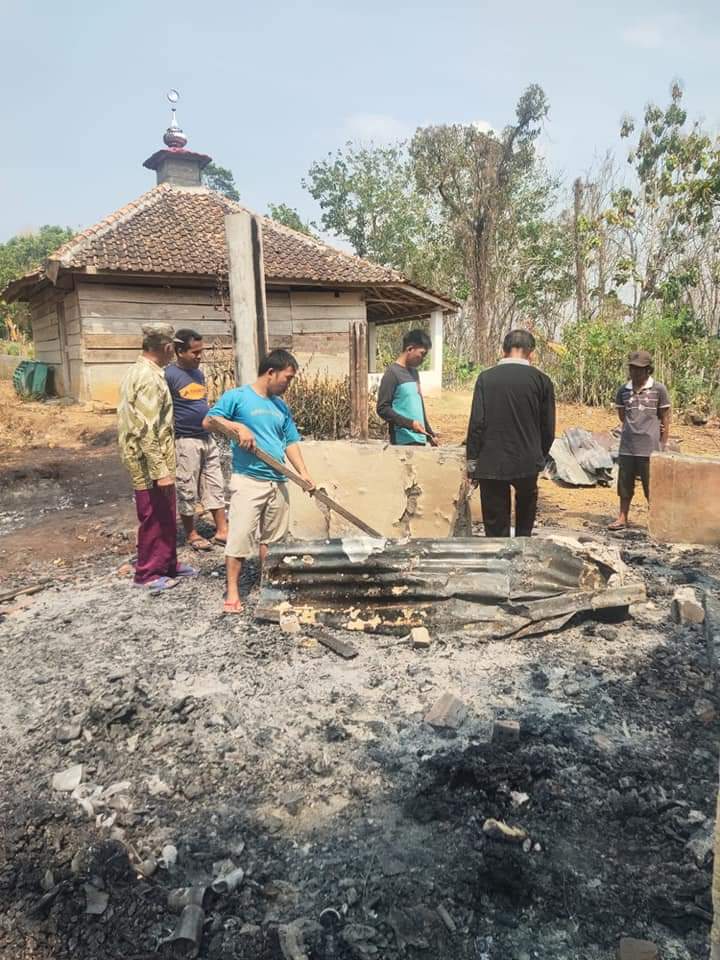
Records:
x=357, y=826
x=590, y=506
x=64, y=495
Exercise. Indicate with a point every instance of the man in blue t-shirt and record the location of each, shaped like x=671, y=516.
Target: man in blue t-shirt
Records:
x=259, y=504
x=199, y=476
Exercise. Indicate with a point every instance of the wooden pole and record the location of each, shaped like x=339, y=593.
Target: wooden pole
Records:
x=359, y=429
x=243, y=236
x=260, y=301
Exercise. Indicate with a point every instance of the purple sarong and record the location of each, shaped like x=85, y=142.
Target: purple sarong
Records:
x=156, y=550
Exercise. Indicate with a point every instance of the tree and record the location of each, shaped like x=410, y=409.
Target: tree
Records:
x=670, y=217
x=368, y=197
x=472, y=174
x=20, y=255
x=289, y=217
x=221, y=180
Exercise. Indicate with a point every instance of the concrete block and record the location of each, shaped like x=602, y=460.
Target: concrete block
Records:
x=684, y=494
x=420, y=638
x=632, y=949
x=449, y=711
x=8, y=365
x=399, y=491
x=506, y=731
x=686, y=607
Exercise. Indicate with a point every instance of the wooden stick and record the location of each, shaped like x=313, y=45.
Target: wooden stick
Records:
x=314, y=492
x=36, y=588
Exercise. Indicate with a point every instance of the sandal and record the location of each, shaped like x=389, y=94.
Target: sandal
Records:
x=185, y=570
x=616, y=525
x=220, y=541
x=199, y=543
x=159, y=583
x=233, y=606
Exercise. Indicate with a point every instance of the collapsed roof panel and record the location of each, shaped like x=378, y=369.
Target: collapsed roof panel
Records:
x=483, y=587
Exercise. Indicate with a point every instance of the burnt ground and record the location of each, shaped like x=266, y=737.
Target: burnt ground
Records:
x=354, y=821
x=351, y=818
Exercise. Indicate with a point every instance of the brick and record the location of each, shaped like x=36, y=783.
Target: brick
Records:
x=506, y=731
x=631, y=949
x=685, y=491
x=448, y=711
x=686, y=607
x=421, y=638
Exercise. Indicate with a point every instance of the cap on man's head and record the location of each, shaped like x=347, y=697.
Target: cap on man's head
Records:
x=164, y=330
x=640, y=358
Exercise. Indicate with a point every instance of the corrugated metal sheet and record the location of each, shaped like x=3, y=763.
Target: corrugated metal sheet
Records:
x=389, y=585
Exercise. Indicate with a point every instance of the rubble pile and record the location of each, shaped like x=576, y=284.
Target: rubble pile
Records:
x=175, y=783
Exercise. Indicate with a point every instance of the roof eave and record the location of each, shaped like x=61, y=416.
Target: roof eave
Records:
x=22, y=289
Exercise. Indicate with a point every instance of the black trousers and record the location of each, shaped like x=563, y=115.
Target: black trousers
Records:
x=630, y=469
x=495, y=500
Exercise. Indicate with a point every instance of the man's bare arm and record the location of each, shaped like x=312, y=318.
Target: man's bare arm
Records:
x=228, y=428
x=294, y=455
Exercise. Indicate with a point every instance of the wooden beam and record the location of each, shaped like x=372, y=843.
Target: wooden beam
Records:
x=401, y=318
x=424, y=295
x=248, y=310
x=359, y=427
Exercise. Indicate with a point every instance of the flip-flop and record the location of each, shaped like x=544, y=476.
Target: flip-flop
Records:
x=614, y=526
x=159, y=583
x=233, y=606
x=185, y=570
x=200, y=543
x=220, y=541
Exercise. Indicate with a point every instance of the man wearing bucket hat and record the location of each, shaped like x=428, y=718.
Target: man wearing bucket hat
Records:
x=643, y=406
x=147, y=447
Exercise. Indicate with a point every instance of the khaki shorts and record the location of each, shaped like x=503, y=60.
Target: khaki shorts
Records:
x=199, y=477
x=259, y=513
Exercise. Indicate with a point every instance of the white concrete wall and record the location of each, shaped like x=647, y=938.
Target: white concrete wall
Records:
x=399, y=491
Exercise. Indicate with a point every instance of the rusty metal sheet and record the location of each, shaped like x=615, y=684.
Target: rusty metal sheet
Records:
x=485, y=586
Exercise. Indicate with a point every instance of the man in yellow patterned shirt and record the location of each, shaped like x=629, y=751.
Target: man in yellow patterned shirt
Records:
x=147, y=448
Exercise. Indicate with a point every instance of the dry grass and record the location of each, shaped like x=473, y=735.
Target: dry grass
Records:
x=321, y=407
x=320, y=403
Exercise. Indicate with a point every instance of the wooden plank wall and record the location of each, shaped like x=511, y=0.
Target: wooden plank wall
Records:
x=279, y=319
x=47, y=309
x=45, y=326
x=320, y=328
x=112, y=316
x=103, y=325
x=74, y=347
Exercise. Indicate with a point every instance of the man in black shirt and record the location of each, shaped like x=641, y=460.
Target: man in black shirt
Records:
x=511, y=430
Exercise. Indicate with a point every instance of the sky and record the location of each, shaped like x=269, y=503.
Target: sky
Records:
x=267, y=88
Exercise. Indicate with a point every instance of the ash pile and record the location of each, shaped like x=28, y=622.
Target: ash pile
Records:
x=176, y=783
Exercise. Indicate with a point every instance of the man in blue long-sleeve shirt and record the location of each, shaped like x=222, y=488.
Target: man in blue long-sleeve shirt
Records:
x=400, y=401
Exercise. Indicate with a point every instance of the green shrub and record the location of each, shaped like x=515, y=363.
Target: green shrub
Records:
x=458, y=372
x=17, y=348
x=593, y=361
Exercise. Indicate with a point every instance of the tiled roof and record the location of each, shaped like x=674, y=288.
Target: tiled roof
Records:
x=180, y=230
